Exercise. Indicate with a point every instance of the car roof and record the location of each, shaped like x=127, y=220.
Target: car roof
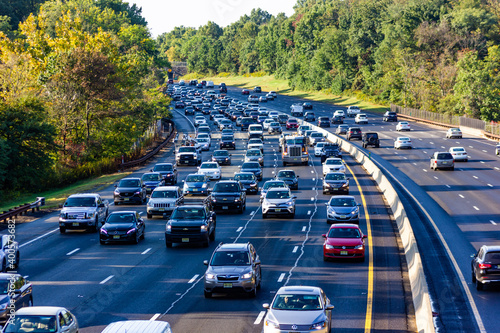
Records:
x=491, y=248
x=343, y=197
x=299, y=290
x=286, y=170
x=166, y=188
x=150, y=326
x=132, y=178
x=40, y=310
x=344, y=225
x=233, y=246
x=93, y=195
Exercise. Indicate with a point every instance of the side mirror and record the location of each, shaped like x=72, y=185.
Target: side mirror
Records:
x=141, y=220
x=473, y=255
x=101, y=205
x=205, y=262
x=143, y=185
x=257, y=262
x=265, y=305
x=329, y=307
x=365, y=236
x=324, y=235
x=116, y=185
x=294, y=197
x=298, y=176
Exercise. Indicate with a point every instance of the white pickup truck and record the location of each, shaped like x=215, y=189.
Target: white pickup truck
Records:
x=353, y=110
x=296, y=110
x=83, y=211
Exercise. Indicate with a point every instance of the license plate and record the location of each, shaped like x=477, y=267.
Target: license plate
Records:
x=278, y=210
x=126, y=199
x=335, y=189
x=444, y=162
x=228, y=285
x=185, y=240
x=343, y=253
x=195, y=190
x=225, y=207
x=76, y=224
x=161, y=209
x=342, y=216
x=116, y=236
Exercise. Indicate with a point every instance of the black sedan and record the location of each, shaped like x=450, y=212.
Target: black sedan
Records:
x=180, y=105
x=323, y=122
x=253, y=167
x=249, y=182
x=130, y=190
x=289, y=177
x=124, y=226
x=307, y=106
x=337, y=120
x=222, y=157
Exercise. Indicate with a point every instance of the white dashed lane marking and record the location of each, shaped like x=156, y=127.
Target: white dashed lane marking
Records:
x=448, y=186
x=295, y=249
x=75, y=250
x=308, y=212
x=490, y=185
x=282, y=276
x=146, y=251
x=259, y=318
x=239, y=229
x=107, y=279
x=304, y=228
x=461, y=196
x=193, y=278
x=493, y=222
x=475, y=208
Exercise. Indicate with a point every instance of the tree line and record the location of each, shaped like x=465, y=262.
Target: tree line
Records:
x=437, y=55
x=79, y=83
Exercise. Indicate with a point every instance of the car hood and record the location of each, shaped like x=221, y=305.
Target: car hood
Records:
x=118, y=226
x=344, y=241
x=278, y=201
x=78, y=209
x=208, y=170
x=343, y=210
x=297, y=317
x=230, y=269
x=128, y=189
x=151, y=182
x=247, y=182
x=194, y=222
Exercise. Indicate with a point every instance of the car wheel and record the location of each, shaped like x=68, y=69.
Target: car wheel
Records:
x=473, y=277
x=207, y=294
x=96, y=227
x=62, y=230
x=479, y=285
x=137, y=237
x=150, y=216
x=325, y=258
x=168, y=244
x=253, y=293
x=116, y=203
x=264, y=216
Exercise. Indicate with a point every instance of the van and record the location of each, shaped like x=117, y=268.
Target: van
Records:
x=138, y=326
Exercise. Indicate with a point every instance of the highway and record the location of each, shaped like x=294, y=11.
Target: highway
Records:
x=456, y=208
x=102, y=284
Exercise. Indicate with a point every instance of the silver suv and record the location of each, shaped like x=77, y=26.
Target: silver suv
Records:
x=278, y=201
x=442, y=160
x=233, y=268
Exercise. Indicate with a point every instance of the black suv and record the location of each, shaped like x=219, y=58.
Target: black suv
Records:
x=191, y=224
x=390, y=116
x=289, y=177
x=130, y=190
x=227, y=195
x=330, y=150
x=354, y=133
x=227, y=142
x=168, y=171
x=486, y=266
x=370, y=139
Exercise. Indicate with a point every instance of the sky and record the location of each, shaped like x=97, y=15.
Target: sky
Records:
x=164, y=15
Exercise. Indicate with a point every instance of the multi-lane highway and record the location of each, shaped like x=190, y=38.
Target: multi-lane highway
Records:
x=101, y=284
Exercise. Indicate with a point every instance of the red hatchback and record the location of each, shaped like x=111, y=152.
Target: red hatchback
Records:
x=245, y=92
x=292, y=123
x=344, y=241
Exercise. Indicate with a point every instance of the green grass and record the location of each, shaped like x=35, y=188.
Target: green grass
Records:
x=57, y=196
x=269, y=82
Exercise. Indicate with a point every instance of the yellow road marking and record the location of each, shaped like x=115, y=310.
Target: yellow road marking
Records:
x=369, y=296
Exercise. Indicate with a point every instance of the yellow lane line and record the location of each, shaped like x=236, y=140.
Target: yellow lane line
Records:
x=369, y=296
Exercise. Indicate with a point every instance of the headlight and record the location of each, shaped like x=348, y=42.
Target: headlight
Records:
x=331, y=210
x=204, y=186
x=329, y=247
x=3, y=306
x=137, y=192
x=90, y=215
x=210, y=276
x=290, y=203
x=318, y=326
x=203, y=228
x=272, y=324
x=327, y=185
x=359, y=247
x=168, y=228
x=131, y=231
x=354, y=212
x=247, y=275
x=237, y=199
x=104, y=231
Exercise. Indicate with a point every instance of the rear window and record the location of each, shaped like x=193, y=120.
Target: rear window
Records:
x=226, y=187
x=492, y=257
x=444, y=156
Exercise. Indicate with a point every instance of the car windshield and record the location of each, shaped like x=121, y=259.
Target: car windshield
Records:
x=230, y=258
x=458, y=149
x=208, y=166
x=254, y=153
x=253, y=141
x=335, y=176
x=292, y=121
x=333, y=162
x=121, y=218
x=202, y=140
x=454, y=129
x=278, y=195
x=226, y=187
x=226, y=138
x=187, y=150
x=250, y=165
x=80, y=202
x=151, y=176
x=188, y=213
x=269, y=185
x=244, y=176
x=129, y=183
x=344, y=126
x=323, y=119
x=492, y=257
x=286, y=174
x=163, y=167
x=342, y=202
x=274, y=124
x=34, y=324
x=164, y=194
x=221, y=153
x=330, y=147
x=297, y=302
x=344, y=233
x=195, y=178
x=316, y=135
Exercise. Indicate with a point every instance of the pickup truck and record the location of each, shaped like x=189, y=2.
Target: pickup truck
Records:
x=352, y=111
x=187, y=155
x=83, y=211
x=191, y=224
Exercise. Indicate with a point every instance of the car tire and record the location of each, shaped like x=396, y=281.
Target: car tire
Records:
x=479, y=285
x=264, y=216
x=292, y=215
x=473, y=277
x=62, y=230
x=116, y=203
x=168, y=244
x=325, y=258
x=206, y=243
x=207, y=294
x=137, y=237
x=150, y=216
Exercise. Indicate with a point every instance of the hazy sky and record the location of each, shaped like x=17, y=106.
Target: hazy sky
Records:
x=164, y=15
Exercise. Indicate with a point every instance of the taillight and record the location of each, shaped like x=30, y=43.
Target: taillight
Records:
x=484, y=266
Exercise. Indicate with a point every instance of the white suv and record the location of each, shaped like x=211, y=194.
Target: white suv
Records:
x=361, y=118
x=333, y=164
x=163, y=200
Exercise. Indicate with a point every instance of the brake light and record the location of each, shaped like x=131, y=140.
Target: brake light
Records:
x=484, y=266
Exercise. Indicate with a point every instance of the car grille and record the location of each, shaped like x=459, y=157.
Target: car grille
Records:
x=228, y=277
x=186, y=157
x=126, y=194
x=295, y=151
x=161, y=205
x=76, y=216
x=185, y=230
x=292, y=327
x=344, y=247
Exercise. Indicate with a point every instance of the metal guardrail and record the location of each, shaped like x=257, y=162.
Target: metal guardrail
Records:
x=16, y=211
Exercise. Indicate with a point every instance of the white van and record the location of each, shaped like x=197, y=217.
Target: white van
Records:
x=138, y=326
x=210, y=84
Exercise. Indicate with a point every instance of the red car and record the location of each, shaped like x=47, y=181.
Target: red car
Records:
x=344, y=241
x=292, y=123
x=245, y=92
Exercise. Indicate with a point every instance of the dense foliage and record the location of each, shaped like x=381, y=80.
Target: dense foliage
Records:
x=79, y=84
x=438, y=55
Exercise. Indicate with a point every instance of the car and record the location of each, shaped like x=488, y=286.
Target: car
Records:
x=309, y=116
x=227, y=131
x=403, y=142
x=227, y=195
x=52, y=319
x=297, y=308
x=187, y=155
x=337, y=120
x=191, y=224
x=122, y=226
x=370, y=139
x=196, y=184
x=152, y=180
x=81, y=211
x=211, y=169
x=130, y=190
x=248, y=181
x=361, y=118
x=253, y=99
x=245, y=92
x=442, y=160
x=307, y=106
x=222, y=157
x=233, y=267
x=16, y=292
x=225, y=123
x=256, y=129
x=253, y=167
x=273, y=93
x=168, y=172
x=283, y=118
x=292, y=123
x=352, y=111
x=255, y=143
x=163, y=200
x=262, y=99
x=289, y=177
x=323, y=122
x=204, y=142
x=354, y=133
x=342, y=208
x=333, y=164
x=390, y=116
x=189, y=110
x=318, y=148
x=227, y=142
x=199, y=120
x=344, y=241
x=180, y=105
x=204, y=130
x=278, y=201
x=454, y=133
x=257, y=90
x=273, y=183
x=303, y=128
x=339, y=113
x=403, y=126
x=267, y=122
x=254, y=155
x=274, y=115
x=274, y=127
x=486, y=266
x=261, y=118
x=335, y=182
x=497, y=149
x=138, y=326
x=316, y=137
x=269, y=97
x=330, y=150
x=342, y=129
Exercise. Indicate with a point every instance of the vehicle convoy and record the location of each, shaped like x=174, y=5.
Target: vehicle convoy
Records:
x=228, y=195
x=83, y=211
x=187, y=155
x=233, y=268
x=297, y=110
x=163, y=200
x=191, y=224
x=293, y=150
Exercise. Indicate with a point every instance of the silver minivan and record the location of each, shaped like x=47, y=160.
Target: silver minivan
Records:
x=138, y=326
x=442, y=160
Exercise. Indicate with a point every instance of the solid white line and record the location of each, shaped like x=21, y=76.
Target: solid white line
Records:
x=155, y=317
x=461, y=196
x=492, y=222
x=146, y=251
x=304, y=228
x=239, y=229
x=39, y=237
x=424, y=170
x=295, y=249
x=481, y=162
x=259, y=318
x=252, y=212
x=70, y=253
x=475, y=177
x=193, y=278
x=405, y=157
x=475, y=208
x=282, y=276
x=107, y=279
x=485, y=151
x=442, y=147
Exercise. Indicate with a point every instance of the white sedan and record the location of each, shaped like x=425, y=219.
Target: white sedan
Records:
x=199, y=120
x=339, y=113
x=266, y=123
x=318, y=148
x=210, y=169
x=204, y=142
x=459, y=154
x=403, y=126
x=403, y=142
x=333, y=164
